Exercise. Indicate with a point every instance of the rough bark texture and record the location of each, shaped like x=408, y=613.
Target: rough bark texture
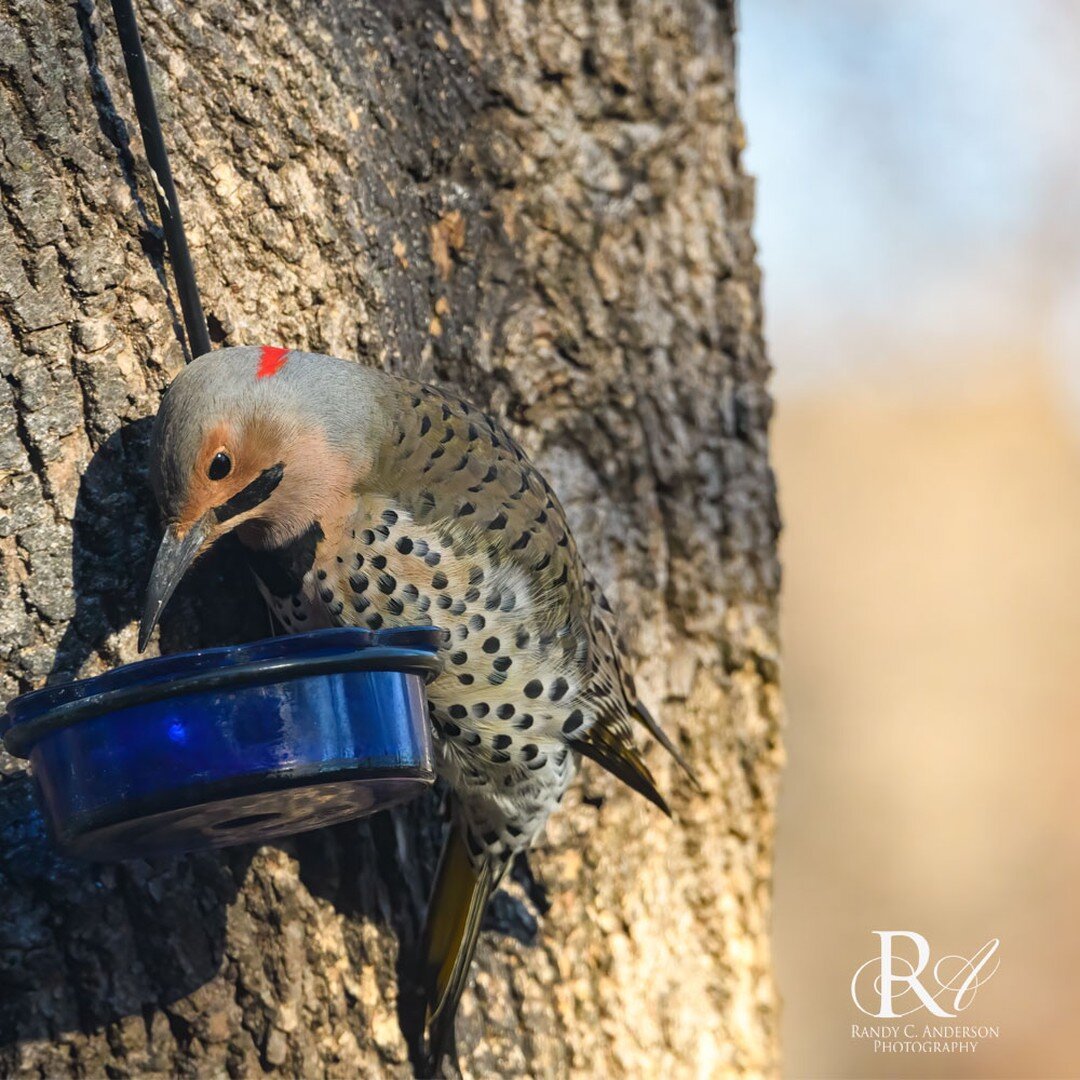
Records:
x=543, y=206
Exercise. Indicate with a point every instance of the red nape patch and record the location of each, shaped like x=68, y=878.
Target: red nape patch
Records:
x=271, y=360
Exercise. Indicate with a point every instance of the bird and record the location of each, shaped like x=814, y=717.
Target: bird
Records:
x=363, y=498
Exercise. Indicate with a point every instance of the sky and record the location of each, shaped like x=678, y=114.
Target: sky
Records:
x=917, y=195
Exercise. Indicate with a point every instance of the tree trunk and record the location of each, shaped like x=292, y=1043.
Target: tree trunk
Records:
x=543, y=207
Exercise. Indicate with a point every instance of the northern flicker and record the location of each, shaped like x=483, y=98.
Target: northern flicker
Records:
x=366, y=499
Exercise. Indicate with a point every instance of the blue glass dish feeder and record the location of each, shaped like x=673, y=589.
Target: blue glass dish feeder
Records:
x=231, y=745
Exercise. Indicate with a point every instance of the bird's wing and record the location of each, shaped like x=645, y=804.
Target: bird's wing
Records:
x=612, y=687
x=459, y=469
x=610, y=743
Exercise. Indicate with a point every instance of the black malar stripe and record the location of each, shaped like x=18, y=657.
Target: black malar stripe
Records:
x=259, y=490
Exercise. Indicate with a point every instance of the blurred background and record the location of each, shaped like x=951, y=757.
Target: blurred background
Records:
x=918, y=167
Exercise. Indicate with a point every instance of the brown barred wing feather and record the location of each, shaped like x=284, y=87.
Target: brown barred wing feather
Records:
x=611, y=745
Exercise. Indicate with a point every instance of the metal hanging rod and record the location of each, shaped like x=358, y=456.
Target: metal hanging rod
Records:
x=169, y=204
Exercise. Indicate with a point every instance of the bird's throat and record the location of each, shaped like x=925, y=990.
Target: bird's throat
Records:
x=282, y=569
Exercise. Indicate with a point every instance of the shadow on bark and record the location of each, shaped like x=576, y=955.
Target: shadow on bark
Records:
x=83, y=945
x=107, y=941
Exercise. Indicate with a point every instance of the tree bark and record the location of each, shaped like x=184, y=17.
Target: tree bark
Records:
x=542, y=206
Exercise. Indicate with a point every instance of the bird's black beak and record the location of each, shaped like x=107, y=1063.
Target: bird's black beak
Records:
x=174, y=556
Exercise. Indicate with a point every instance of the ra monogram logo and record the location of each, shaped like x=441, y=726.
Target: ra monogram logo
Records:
x=891, y=985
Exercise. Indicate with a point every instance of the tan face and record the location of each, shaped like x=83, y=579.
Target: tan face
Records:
x=234, y=476
x=219, y=473
x=268, y=481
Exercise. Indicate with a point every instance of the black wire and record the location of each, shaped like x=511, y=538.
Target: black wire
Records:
x=169, y=204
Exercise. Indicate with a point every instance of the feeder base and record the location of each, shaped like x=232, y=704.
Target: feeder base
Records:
x=292, y=805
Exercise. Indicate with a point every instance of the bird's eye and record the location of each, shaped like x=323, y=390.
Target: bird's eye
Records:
x=220, y=467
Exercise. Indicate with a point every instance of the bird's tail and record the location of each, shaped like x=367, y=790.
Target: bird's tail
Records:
x=456, y=909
